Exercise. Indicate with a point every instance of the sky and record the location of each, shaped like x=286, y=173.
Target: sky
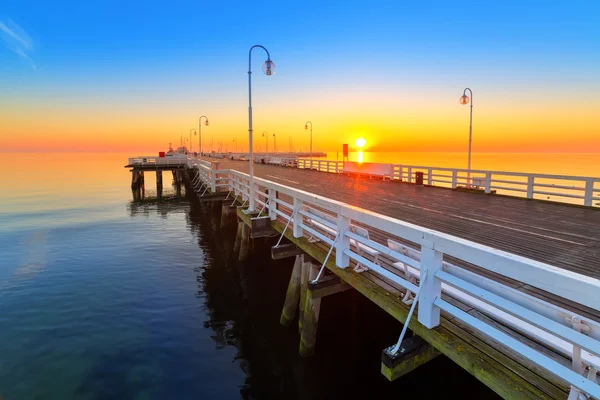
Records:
x=135, y=76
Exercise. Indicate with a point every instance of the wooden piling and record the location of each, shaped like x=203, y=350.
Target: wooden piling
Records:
x=413, y=352
x=136, y=184
x=226, y=214
x=244, y=242
x=292, y=297
x=159, y=183
x=312, y=308
x=238, y=237
x=303, y=288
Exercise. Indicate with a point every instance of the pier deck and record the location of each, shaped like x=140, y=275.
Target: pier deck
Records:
x=520, y=327
x=561, y=235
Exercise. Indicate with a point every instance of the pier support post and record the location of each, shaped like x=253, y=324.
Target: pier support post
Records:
x=413, y=352
x=238, y=237
x=303, y=289
x=159, y=184
x=137, y=184
x=292, y=297
x=312, y=308
x=244, y=242
x=225, y=215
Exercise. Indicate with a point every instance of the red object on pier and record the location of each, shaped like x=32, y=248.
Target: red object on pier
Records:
x=161, y=153
x=345, y=149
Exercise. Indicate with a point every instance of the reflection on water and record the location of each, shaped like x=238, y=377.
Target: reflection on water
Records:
x=101, y=297
x=359, y=157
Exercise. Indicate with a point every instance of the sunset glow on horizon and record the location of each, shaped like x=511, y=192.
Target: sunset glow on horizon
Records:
x=81, y=78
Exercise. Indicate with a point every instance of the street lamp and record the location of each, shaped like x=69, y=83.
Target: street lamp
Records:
x=185, y=150
x=191, y=138
x=465, y=100
x=268, y=68
x=200, y=129
x=274, y=144
x=266, y=136
x=306, y=127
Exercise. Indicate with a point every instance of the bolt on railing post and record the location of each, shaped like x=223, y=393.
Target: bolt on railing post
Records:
x=343, y=242
x=589, y=192
x=454, y=178
x=272, y=204
x=530, y=184
x=297, y=228
x=429, y=177
x=431, y=287
x=488, y=182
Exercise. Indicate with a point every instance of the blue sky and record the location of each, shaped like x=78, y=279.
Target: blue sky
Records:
x=98, y=52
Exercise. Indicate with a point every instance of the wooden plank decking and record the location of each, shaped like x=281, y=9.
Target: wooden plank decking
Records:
x=561, y=235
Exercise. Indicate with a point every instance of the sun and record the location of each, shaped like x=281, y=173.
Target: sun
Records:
x=360, y=142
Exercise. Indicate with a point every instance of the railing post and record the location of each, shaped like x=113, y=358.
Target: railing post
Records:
x=454, y=178
x=297, y=228
x=589, y=192
x=530, y=184
x=409, y=174
x=488, y=182
x=431, y=287
x=213, y=181
x=343, y=242
x=401, y=173
x=429, y=177
x=272, y=204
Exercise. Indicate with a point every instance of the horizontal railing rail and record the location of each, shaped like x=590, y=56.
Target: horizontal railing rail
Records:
x=344, y=230
x=582, y=190
x=158, y=161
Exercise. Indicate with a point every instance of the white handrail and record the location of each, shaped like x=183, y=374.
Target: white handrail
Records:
x=532, y=317
x=562, y=188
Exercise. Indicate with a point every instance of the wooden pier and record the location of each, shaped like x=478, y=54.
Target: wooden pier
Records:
x=507, y=288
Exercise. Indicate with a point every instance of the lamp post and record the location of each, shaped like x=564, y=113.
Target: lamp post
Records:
x=274, y=144
x=185, y=149
x=191, y=138
x=465, y=100
x=266, y=136
x=268, y=68
x=306, y=127
x=200, y=136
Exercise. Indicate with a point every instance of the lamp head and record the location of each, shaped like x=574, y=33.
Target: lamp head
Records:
x=268, y=67
x=206, y=123
x=464, y=99
x=305, y=126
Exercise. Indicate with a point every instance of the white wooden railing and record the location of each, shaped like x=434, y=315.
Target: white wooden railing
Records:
x=177, y=160
x=420, y=269
x=582, y=190
x=321, y=165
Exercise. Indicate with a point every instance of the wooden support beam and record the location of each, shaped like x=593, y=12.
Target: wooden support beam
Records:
x=413, y=352
x=244, y=242
x=505, y=376
x=159, y=184
x=292, y=297
x=238, y=237
x=225, y=216
x=328, y=285
x=303, y=290
x=285, y=250
x=310, y=322
x=261, y=227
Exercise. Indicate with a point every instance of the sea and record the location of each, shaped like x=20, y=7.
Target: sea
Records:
x=102, y=297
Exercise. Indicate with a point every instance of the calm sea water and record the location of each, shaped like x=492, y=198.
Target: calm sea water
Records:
x=101, y=297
